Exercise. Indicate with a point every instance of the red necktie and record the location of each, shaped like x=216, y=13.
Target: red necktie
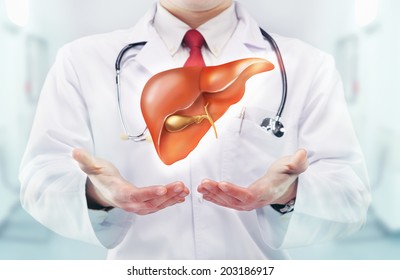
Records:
x=194, y=40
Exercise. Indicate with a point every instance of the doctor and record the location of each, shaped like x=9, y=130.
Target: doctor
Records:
x=232, y=197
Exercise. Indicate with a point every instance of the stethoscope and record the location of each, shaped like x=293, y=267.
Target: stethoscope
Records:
x=273, y=125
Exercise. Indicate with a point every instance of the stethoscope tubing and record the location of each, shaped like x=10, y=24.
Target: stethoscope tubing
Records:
x=282, y=69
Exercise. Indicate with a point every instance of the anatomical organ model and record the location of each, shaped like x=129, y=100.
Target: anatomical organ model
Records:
x=180, y=105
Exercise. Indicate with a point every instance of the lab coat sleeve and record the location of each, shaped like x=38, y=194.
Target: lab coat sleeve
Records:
x=52, y=184
x=333, y=194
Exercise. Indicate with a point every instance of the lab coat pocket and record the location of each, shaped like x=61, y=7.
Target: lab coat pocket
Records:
x=248, y=149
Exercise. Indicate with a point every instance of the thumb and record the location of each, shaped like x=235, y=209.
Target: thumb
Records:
x=86, y=161
x=298, y=162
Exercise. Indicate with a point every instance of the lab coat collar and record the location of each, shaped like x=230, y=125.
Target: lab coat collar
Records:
x=154, y=56
x=141, y=30
x=248, y=29
x=246, y=38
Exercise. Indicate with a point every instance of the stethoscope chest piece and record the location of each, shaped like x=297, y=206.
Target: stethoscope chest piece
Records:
x=274, y=126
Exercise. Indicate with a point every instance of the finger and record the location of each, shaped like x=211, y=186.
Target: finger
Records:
x=293, y=164
x=223, y=200
x=150, y=193
x=210, y=188
x=147, y=208
x=140, y=195
x=174, y=193
x=216, y=201
x=86, y=161
x=168, y=203
x=242, y=194
x=135, y=200
x=206, y=186
x=224, y=191
x=220, y=202
x=222, y=196
x=298, y=162
x=172, y=201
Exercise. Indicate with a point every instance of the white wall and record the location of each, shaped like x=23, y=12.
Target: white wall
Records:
x=15, y=112
x=379, y=59
x=13, y=109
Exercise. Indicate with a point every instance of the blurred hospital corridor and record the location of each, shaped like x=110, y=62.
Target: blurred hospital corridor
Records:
x=364, y=40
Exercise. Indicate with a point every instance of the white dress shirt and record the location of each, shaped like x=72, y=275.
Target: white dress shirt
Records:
x=216, y=33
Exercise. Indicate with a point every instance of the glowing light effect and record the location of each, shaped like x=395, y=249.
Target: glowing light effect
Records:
x=366, y=11
x=18, y=11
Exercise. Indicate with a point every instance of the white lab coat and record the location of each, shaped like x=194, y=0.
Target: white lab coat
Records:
x=78, y=108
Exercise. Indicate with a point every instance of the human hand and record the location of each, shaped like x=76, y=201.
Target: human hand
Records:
x=106, y=187
x=277, y=186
